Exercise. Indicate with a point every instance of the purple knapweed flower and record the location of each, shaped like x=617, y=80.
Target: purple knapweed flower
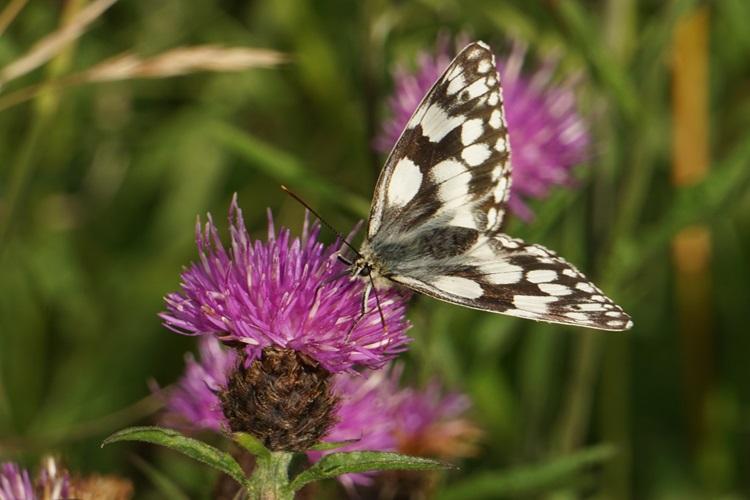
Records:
x=193, y=401
x=53, y=481
x=15, y=483
x=547, y=134
x=368, y=401
x=287, y=293
x=430, y=422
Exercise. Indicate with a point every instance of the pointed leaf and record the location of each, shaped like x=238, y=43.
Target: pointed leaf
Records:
x=332, y=445
x=251, y=444
x=193, y=448
x=336, y=464
x=529, y=479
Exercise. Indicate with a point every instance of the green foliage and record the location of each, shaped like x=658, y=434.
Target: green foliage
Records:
x=100, y=185
x=197, y=450
x=345, y=462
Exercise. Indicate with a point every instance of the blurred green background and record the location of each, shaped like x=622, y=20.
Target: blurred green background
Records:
x=100, y=185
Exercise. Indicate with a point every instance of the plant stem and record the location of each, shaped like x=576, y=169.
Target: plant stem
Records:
x=270, y=479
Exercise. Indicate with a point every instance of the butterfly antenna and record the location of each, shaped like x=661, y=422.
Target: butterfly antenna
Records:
x=321, y=219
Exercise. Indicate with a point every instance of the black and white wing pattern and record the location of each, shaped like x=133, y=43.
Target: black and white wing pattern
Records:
x=439, y=203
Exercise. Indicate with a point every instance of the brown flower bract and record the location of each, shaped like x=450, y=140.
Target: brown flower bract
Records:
x=284, y=399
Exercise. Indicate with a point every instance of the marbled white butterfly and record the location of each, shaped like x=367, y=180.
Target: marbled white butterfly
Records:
x=434, y=224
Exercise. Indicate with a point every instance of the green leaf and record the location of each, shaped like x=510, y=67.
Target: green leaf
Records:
x=336, y=464
x=251, y=444
x=332, y=445
x=193, y=448
x=527, y=479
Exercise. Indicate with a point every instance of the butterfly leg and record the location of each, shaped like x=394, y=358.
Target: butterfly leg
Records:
x=363, y=310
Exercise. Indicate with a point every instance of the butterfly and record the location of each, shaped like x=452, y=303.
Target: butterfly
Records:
x=440, y=199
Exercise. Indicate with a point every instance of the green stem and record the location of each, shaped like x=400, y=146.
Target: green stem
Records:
x=270, y=479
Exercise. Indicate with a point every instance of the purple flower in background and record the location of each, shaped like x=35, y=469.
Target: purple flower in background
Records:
x=194, y=400
x=365, y=415
x=547, y=135
x=15, y=483
x=430, y=422
x=286, y=293
x=53, y=481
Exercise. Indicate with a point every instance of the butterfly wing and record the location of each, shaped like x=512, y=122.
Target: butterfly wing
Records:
x=452, y=159
x=439, y=202
x=506, y=275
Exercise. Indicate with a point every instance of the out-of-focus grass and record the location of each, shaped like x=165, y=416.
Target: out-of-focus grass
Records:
x=100, y=186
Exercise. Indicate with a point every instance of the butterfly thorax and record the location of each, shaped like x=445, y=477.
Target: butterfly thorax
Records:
x=368, y=266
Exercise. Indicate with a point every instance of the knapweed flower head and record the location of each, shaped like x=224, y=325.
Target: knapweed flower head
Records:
x=286, y=293
x=547, y=134
x=15, y=483
x=52, y=482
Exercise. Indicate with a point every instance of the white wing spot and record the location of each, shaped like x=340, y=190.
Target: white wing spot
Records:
x=585, y=287
x=537, y=250
x=593, y=307
x=520, y=313
x=456, y=285
x=491, y=81
x=452, y=180
x=463, y=218
x=470, y=131
x=496, y=119
x=533, y=303
x=475, y=154
x=612, y=314
x=458, y=69
x=541, y=275
x=476, y=89
x=474, y=53
x=501, y=273
x=484, y=66
x=555, y=289
x=436, y=123
x=494, y=98
x=491, y=217
x=599, y=298
x=447, y=169
x=404, y=182
x=455, y=85
x=614, y=323
x=497, y=171
x=501, y=145
x=501, y=189
x=570, y=273
x=578, y=316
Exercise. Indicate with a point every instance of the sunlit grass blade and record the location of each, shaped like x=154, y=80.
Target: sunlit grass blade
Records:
x=52, y=44
x=166, y=487
x=529, y=479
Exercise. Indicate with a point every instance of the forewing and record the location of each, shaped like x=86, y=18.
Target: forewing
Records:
x=505, y=275
x=452, y=163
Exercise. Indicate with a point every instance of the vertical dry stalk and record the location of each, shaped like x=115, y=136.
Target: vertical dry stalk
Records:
x=692, y=247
